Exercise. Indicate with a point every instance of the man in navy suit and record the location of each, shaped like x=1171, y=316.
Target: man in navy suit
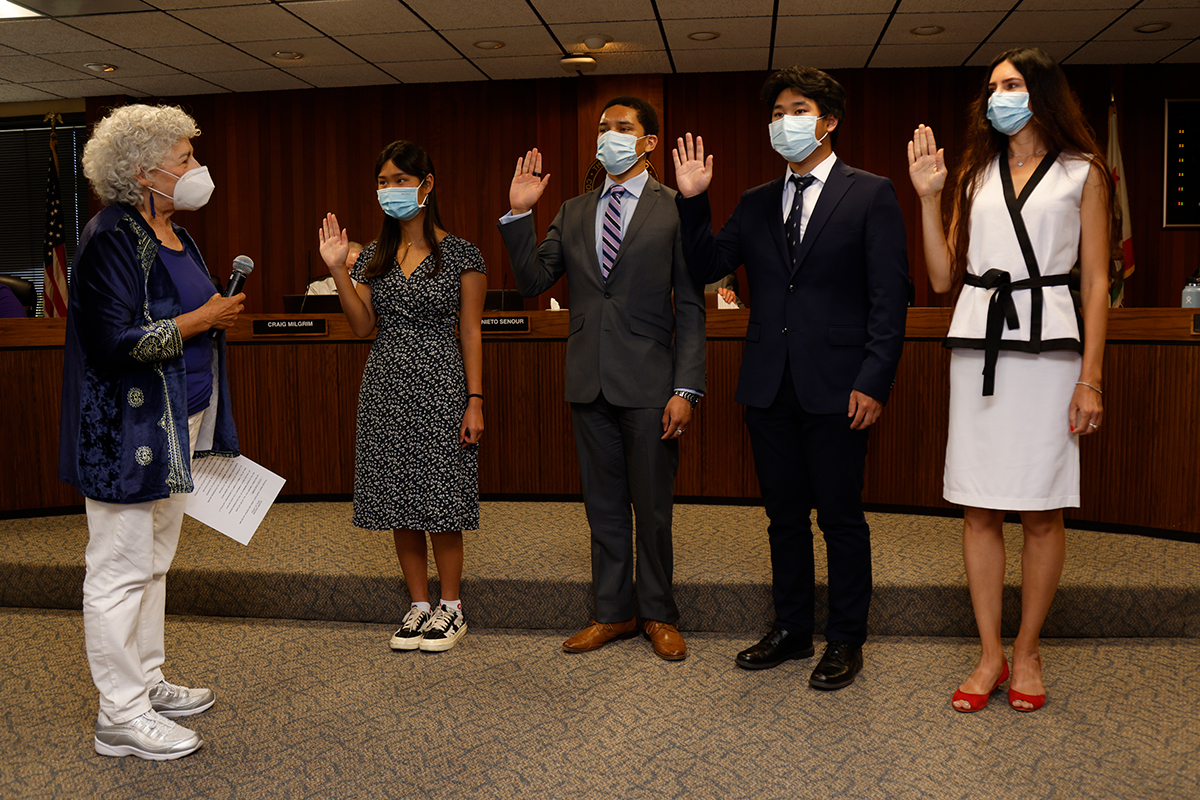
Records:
x=827, y=267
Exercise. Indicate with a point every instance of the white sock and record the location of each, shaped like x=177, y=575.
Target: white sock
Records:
x=453, y=604
x=423, y=606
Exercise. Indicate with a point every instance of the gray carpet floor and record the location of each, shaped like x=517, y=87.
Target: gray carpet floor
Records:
x=325, y=710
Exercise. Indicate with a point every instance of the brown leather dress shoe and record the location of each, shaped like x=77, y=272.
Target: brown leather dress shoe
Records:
x=667, y=642
x=599, y=634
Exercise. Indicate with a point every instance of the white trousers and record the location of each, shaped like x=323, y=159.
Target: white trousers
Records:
x=130, y=548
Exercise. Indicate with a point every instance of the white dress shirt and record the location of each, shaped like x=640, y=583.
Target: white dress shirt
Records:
x=813, y=193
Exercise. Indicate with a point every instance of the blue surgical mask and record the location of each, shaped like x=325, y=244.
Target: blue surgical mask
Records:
x=617, y=152
x=1009, y=111
x=401, y=201
x=795, y=137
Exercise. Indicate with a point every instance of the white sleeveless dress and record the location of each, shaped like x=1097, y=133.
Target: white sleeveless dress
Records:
x=1013, y=449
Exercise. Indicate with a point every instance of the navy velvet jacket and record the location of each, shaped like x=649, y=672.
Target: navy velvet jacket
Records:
x=838, y=315
x=123, y=436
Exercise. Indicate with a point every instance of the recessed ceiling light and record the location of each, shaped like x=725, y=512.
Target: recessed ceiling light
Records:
x=594, y=41
x=928, y=30
x=96, y=66
x=1153, y=27
x=287, y=55
x=704, y=36
x=13, y=11
x=489, y=44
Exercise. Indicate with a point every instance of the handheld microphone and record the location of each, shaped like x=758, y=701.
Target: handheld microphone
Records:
x=242, y=266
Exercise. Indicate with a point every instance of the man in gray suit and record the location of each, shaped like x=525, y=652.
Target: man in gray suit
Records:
x=632, y=385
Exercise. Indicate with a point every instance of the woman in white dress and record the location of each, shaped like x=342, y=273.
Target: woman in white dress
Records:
x=1031, y=198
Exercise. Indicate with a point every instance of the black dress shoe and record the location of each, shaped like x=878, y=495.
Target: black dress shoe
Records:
x=775, y=648
x=838, y=666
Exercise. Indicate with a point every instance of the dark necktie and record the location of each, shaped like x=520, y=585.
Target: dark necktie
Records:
x=610, y=232
x=792, y=226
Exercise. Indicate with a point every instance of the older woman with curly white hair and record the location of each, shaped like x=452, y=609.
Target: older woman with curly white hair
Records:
x=144, y=392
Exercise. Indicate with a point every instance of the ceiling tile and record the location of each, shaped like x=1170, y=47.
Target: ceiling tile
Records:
x=458, y=69
x=135, y=31
x=1185, y=24
x=1124, y=52
x=821, y=56
x=126, y=62
x=1075, y=5
x=13, y=93
x=170, y=85
x=1168, y=4
x=66, y=8
x=554, y=11
x=827, y=31
x=346, y=75
x=735, y=33
x=445, y=16
x=628, y=37
x=93, y=87
x=1036, y=26
x=524, y=67
x=1187, y=55
x=950, y=54
x=696, y=9
x=46, y=36
x=1056, y=50
x=742, y=59
x=959, y=28
x=256, y=80
x=170, y=5
x=204, y=58
x=31, y=69
x=8, y=51
x=317, y=52
x=349, y=17
x=791, y=8
x=633, y=63
x=400, y=46
x=958, y=6
x=247, y=23
x=529, y=40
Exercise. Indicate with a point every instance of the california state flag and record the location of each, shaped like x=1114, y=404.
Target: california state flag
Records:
x=1123, y=261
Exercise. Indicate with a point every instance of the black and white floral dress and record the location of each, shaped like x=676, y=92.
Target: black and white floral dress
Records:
x=409, y=470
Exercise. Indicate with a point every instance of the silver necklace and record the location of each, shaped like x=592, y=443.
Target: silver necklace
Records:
x=1022, y=159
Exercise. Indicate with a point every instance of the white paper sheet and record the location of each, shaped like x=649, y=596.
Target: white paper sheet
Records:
x=232, y=495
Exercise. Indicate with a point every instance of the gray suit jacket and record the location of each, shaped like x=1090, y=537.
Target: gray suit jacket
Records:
x=627, y=339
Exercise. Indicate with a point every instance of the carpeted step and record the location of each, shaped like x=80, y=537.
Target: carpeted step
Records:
x=529, y=567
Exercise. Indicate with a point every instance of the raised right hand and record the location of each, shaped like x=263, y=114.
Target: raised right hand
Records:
x=527, y=187
x=693, y=173
x=926, y=163
x=335, y=244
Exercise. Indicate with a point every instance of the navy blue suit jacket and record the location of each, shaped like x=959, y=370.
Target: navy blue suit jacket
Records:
x=838, y=315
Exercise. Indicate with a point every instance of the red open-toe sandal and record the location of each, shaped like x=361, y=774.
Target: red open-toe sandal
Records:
x=1036, y=700
x=978, y=701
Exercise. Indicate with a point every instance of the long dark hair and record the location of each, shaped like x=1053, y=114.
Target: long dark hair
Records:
x=411, y=159
x=1057, y=114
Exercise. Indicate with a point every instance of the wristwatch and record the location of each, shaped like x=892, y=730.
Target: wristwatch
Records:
x=691, y=397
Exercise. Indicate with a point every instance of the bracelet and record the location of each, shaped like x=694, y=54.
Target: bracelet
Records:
x=1093, y=388
x=474, y=395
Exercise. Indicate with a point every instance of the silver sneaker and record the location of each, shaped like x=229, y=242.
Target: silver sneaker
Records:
x=444, y=630
x=179, y=701
x=150, y=736
x=412, y=630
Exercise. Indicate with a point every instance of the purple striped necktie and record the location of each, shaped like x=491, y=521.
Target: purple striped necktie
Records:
x=611, y=231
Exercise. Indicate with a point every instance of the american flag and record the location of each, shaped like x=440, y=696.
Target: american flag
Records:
x=54, y=293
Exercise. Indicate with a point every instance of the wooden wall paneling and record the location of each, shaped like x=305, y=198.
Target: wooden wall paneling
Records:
x=269, y=433
x=29, y=426
x=512, y=442
x=720, y=424
x=557, y=461
x=317, y=407
x=907, y=447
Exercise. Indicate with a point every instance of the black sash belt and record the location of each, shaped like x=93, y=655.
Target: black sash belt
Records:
x=1003, y=311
